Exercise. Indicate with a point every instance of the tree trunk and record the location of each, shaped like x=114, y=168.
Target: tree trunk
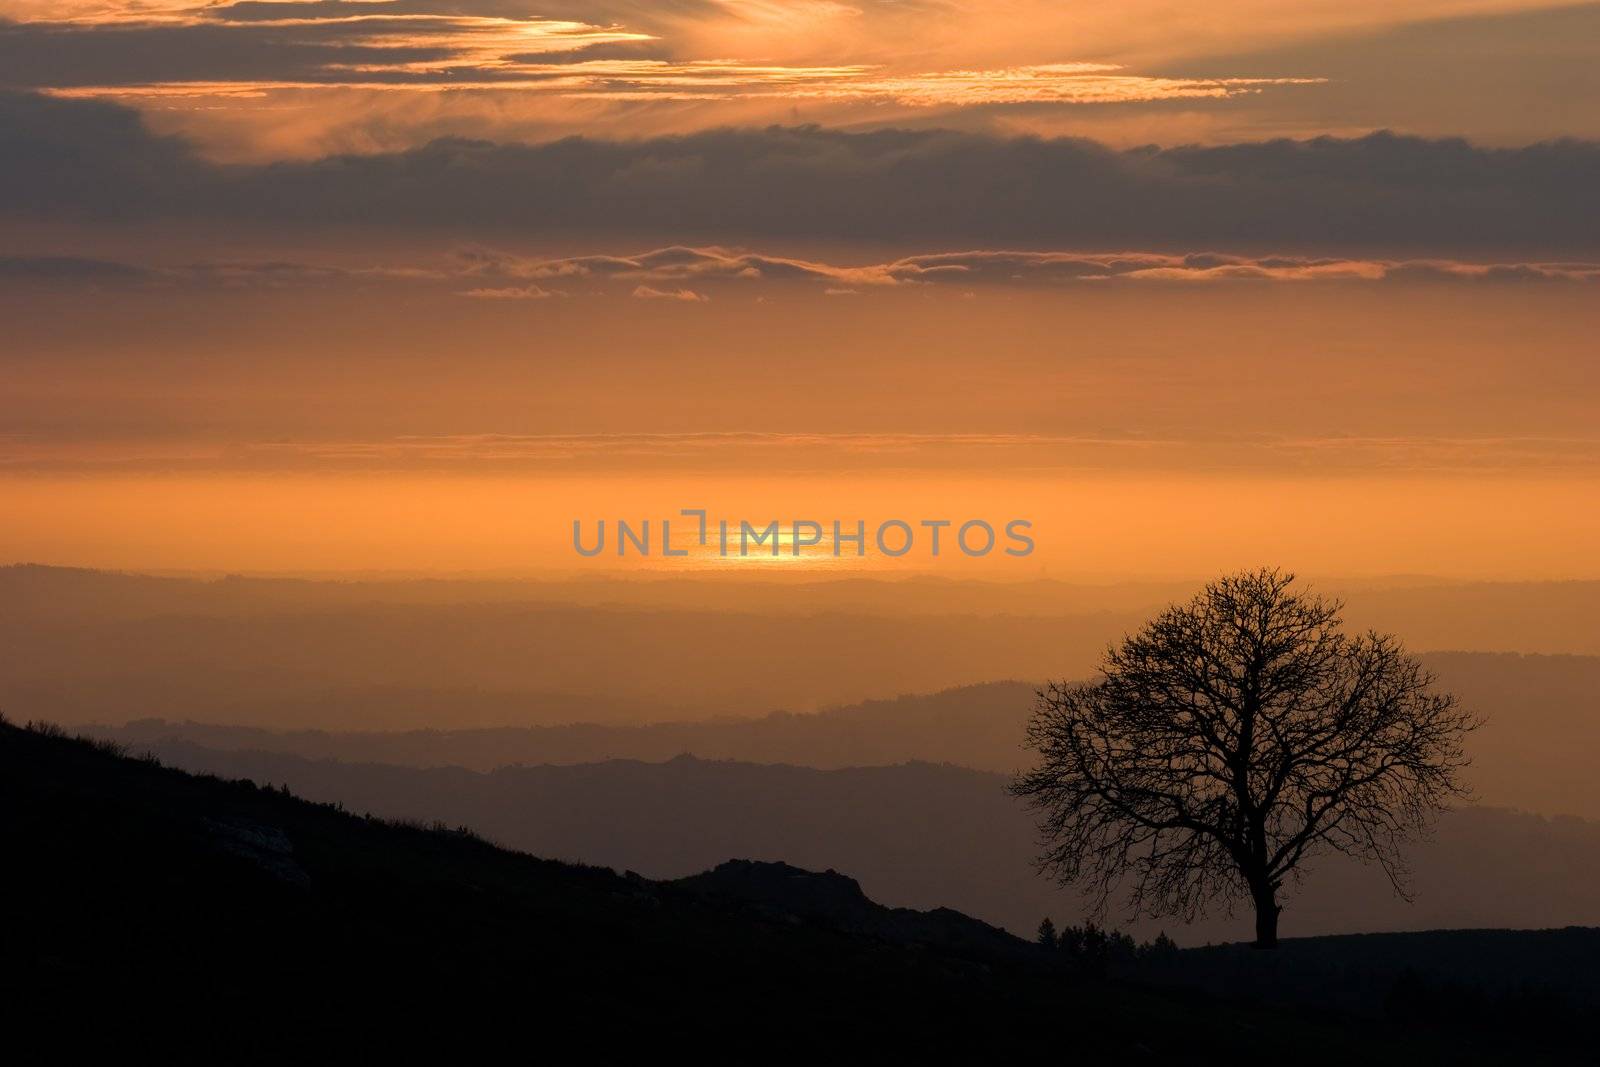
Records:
x=1267, y=909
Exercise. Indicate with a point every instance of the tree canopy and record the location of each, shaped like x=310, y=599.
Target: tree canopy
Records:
x=1229, y=741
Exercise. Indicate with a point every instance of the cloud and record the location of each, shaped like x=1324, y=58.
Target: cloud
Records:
x=263, y=80
x=201, y=48
x=687, y=296
x=69, y=269
x=264, y=274
x=1052, y=83
x=832, y=452
x=481, y=273
x=90, y=159
x=254, y=48
x=724, y=266
x=674, y=263
x=515, y=292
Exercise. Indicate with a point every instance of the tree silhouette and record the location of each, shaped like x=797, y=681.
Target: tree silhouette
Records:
x=1229, y=741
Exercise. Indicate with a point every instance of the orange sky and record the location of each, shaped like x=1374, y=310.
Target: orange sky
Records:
x=1150, y=432
x=1142, y=273
x=1091, y=527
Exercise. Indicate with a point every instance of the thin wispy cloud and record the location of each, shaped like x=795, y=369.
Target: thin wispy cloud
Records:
x=685, y=274
x=513, y=292
x=1053, y=83
x=383, y=45
x=681, y=296
x=721, y=452
x=1004, y=267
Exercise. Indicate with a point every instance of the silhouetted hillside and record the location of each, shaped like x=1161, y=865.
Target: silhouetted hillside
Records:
x=924, y=835
x=152, y=909
x=1454, y=973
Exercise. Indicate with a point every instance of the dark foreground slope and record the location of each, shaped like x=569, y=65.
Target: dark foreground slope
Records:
x=148, y=906
x=923, y=835
x=185, y=902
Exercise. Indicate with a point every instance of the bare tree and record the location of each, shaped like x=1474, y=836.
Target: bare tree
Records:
x=1229, y=741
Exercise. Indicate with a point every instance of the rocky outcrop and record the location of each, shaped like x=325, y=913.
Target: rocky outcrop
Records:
x=785, y=893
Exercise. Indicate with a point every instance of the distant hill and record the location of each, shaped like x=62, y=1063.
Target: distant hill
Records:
x=153, y=911
x=922, y=835
x=1536, y=751
x=978, y=726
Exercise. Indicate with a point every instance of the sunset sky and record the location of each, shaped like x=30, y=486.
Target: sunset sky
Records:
x=411, y=285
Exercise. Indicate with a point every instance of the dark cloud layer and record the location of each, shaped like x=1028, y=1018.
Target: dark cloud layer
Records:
x=237, y=51
x=88, y=159
x=97, y=56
